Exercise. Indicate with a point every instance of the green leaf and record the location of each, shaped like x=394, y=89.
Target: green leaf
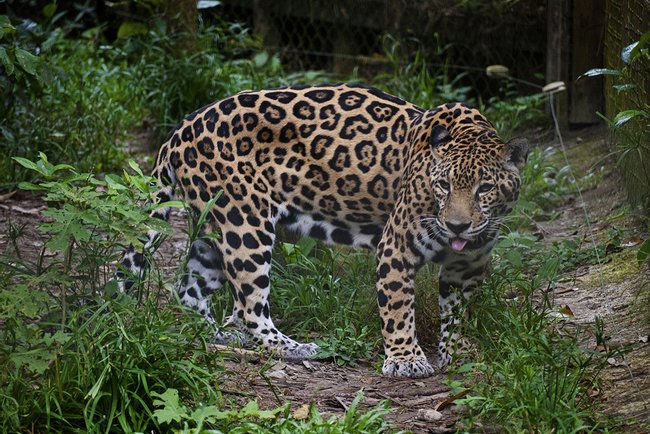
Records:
x=644, y=252
x=28, y=61
x=549, y=269
x=465, y=368
x=171, y=203
x=135, y=167
x=114, y=182
x=22, y=300
x=261, y=58
x=172, y=409
x=62, y=167
x=6, y=61
x=644, y=40
x=624, y=87
x=627, y=51
x=36, y=360
x=624, y=116
x=28, y=164
x=306, y=245
x=514, y=257
x=208, y=207
x=252, y=410
x=5, y=25
x=205, y=4
x=49, y=9
x=92, y=393
x=30, y=186
x=131, y=28
x=601, y=71
x=211, y=413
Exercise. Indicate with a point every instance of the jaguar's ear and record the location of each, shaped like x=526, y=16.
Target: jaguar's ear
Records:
x=517, y=152
x=439, y=136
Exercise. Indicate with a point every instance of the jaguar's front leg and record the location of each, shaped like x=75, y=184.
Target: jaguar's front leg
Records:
x=458, y=280
x=395, y=296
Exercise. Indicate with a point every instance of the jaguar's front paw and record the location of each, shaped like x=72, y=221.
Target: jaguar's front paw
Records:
x=299, y=352
x=407, y=366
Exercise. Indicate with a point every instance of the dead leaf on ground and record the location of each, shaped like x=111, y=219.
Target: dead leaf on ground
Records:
x=6, y=196
x=566, y=310
x=31, y=211
x=631, y=242
x=450, y=400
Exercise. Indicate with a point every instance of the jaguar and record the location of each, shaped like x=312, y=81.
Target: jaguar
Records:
x=346, y=164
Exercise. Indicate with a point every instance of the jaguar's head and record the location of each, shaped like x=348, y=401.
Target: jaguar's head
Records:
x=475, y=182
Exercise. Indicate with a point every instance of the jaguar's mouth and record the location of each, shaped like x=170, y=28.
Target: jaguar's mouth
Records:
x=458, y=244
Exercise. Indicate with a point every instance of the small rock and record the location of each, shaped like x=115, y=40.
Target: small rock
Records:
x=421, y=384
x=277, y=374
x=429, y=414
x=301, y=413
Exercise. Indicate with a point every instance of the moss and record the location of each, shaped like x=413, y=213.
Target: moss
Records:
x=620, y=267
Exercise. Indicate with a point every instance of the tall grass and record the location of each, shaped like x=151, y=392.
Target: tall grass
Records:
x=530, y=372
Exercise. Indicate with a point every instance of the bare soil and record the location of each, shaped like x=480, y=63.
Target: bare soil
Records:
x=617, y=291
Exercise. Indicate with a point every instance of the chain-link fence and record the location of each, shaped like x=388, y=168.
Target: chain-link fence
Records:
x=626, y=21
x=465, y=36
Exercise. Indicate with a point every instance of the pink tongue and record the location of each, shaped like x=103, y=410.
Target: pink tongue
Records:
x=458, y=244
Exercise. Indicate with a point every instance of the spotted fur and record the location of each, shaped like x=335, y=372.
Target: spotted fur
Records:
x=349, y=165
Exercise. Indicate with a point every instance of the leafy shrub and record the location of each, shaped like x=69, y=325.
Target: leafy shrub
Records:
x=82, y=113
x=21, y=77
x=346, y=345
x=72, y=358
x=96, y=218
x=251, y=419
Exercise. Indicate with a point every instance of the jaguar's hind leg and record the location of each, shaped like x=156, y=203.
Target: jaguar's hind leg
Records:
x=203, y=278
x=247, y=261
x=134, y=264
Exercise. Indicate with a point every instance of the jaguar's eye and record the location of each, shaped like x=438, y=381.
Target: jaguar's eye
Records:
x=443, y=184
x=484, y=188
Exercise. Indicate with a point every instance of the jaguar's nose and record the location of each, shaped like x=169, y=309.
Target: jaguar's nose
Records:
x=458, y=227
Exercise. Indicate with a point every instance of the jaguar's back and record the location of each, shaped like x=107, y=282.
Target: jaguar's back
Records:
x=325, y=161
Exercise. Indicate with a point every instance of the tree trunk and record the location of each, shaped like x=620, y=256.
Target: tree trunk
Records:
x=182, y=21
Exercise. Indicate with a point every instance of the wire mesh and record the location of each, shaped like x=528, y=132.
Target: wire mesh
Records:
x=345, y=36
x=626, y=21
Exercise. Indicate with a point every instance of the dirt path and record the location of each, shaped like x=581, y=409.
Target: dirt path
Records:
x=331, y=389
x=617, y=292
x=612, y=292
